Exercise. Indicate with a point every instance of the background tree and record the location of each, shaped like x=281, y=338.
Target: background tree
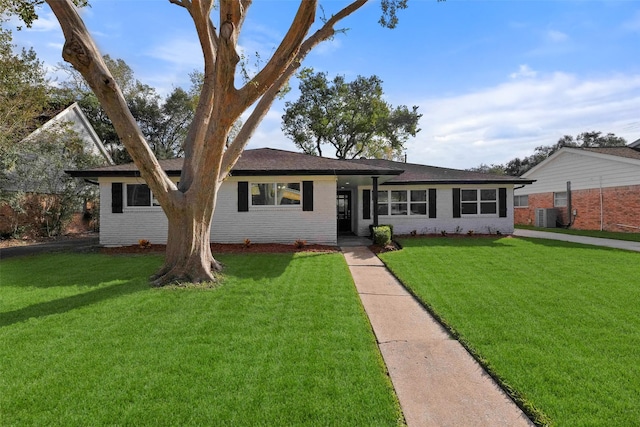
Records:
x=23, y=91
x=351, y=117
x=164, y=123
x=209, y=155
x=517, y=166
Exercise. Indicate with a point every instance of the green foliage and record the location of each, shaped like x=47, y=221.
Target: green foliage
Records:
x=23, y=91
x=555, y=321
x=283, y=342
x=352, y=117
x=382, y=235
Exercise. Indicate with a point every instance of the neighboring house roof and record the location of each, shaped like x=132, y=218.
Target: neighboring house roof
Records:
x=623, y=154
x=422, y=174
x=268, y=161
x=80, y=124
x=635, y=144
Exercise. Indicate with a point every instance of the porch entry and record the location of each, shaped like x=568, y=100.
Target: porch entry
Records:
x=343, y=202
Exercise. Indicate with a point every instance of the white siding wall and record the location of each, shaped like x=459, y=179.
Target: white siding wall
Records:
x=444, y=221
x=585, y=171
x=262, y=224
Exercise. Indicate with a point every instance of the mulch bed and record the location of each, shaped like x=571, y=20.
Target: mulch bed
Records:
x=218, y=248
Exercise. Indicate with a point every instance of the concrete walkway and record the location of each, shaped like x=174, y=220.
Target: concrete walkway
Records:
x=595, y=241
x=437, y=381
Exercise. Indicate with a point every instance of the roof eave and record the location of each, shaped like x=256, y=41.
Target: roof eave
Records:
x=460, y=182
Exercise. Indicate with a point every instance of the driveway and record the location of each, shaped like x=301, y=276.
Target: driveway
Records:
x=79, y=244
x=595, y=241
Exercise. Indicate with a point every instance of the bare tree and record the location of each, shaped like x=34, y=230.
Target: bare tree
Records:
x=189, y=206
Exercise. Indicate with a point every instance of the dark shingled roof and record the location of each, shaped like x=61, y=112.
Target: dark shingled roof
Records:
x=268, y=161
x=422, y=174
x=258, y=162
x=626, y=152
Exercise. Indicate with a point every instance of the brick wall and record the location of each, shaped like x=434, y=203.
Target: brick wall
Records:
x=620, y=209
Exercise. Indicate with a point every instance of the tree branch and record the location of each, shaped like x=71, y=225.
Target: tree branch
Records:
x=81, y=51
x=284, y=54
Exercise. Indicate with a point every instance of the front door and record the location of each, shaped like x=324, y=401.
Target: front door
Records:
x=344, y=211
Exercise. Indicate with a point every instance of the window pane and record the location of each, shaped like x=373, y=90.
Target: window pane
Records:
x=138, y=195
x=469, y=195
x=521, y=201
x=560, y=199
x=263, y=194
x=399, y=208
x=398, y=196
x=418, y=208
x=418, y=195
x=488, y=208
x=383, y=209
x=289, y=194
x=469, y=208
x=383, y=196
x=488, y=194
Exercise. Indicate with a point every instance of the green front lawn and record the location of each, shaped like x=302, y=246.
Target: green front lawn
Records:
x=84, y=340
x=557, y=322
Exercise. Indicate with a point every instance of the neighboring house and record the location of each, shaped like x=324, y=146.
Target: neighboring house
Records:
x=600, y=187
x=80, y=124
x=41, y=191
x=281, y=196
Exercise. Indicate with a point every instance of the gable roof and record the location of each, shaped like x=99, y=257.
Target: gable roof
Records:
x=413, y=173
x=620, y=154
x=80, y=124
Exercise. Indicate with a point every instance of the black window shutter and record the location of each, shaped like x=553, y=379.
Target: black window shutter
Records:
x=432, y=203
x=307, y=196
x=116, y=197
x=366, y=204
x=456, y=203
x=502, y=202
x=243, y=196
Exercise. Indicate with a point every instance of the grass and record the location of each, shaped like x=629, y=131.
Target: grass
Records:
x=284, y=341
x=631, y=237
x=556, y=322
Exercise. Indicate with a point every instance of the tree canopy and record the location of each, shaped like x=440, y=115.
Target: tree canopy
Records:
x=352, y=117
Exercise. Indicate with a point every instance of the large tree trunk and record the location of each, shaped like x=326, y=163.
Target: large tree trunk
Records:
x=188, y=257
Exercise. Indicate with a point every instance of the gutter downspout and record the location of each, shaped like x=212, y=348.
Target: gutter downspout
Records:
x=601, y=207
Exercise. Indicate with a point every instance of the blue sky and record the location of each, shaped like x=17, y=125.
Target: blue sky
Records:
x=493, y=79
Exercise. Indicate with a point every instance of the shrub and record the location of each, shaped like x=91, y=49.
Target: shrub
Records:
x=247, y=243
x=299, y=244
x=371, y=227
x=144, y=244
x=382, y=235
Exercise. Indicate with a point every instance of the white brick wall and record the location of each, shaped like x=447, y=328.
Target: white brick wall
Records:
x=262, y=224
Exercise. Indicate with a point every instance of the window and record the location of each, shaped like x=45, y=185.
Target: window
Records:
x=140, y=195
x=275, y=194
x=521, y=201
x=560, y=199
x=479, y=201
x=418, y=202
x=402, y=202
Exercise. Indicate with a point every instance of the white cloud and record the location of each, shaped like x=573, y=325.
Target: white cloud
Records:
x=633, y=25
x=524, y=71
x=509, y=120
x=556, y=36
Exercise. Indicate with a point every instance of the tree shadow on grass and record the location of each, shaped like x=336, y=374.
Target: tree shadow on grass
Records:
x=62, y=305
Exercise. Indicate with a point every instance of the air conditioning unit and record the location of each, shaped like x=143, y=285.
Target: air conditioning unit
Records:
x=546, y=218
